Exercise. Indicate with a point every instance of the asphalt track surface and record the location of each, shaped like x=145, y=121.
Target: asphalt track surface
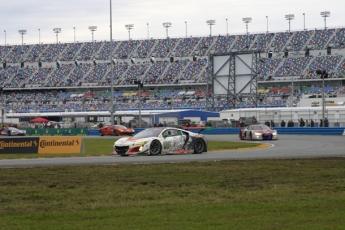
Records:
x=287, y=147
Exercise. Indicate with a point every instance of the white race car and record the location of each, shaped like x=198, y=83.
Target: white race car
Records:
x=162, y=140
x=258, y=132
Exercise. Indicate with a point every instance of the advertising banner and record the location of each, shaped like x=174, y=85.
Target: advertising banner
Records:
x=19, y=145
x=39, y=145
x=60, y=144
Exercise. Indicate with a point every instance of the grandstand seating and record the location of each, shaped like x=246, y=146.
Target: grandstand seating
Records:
x=183, y=70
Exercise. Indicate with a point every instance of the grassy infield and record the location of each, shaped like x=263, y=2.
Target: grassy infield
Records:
x=261, y=194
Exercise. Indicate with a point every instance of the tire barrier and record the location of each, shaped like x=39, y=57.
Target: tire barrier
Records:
x=41, y=145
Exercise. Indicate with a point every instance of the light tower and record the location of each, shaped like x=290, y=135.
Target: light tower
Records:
x=289, y=17
x=57, y=31
x=129, y=27
x=167, y=25
x=247, y=20
x=325, y=14
x=22, y=32
x=92, y=29
x=211, y=23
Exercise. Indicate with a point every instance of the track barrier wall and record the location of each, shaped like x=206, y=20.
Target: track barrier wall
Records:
x=41, y=145
x=285, y=130
x=57, y=132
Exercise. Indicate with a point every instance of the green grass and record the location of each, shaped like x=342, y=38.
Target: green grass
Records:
x=262, y=194
x=103, y=147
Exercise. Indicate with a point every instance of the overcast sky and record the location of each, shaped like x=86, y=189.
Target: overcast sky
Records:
x=44, y=15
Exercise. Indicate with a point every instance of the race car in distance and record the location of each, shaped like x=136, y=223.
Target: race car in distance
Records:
x=161, y=140
x=116, y=130
x=258, y=132
x=11, y=131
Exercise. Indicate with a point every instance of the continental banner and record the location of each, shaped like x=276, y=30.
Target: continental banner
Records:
x=41, y=145
x=19, y=145
x=60, y=144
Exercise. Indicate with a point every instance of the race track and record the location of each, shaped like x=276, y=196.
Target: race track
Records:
x=288, y=146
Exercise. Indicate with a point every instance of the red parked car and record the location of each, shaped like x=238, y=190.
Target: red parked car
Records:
x=116, y=130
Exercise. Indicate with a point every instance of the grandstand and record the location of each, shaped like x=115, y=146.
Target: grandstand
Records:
x=76, y=76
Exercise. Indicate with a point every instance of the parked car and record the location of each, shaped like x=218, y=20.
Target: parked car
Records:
x=116, y=130
x=11, y=131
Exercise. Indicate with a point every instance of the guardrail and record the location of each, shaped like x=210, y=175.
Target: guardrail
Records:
x=285, y=130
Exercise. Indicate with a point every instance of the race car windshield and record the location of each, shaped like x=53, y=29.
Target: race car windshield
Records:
x=148, y=133
x=261, y=127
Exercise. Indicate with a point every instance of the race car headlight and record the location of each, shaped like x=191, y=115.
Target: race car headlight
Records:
x=140, y=143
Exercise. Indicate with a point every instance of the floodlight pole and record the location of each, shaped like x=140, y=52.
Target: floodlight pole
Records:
x=227, y=27
x=74, y=33
x=186, y=28
x=211, y=23
x=267, y=24
x=92, y=29
x=5, y=36
x=57, y=31
x=325, y=14
x=289, y=17
x=129, y=27
x=39, y=36
x=167, y=25
x=22, y=32
x=247, y=20
x=111, y=69
x=148, y=35
x=304, y=21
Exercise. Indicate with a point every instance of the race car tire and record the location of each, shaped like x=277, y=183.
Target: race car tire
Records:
x=155, y=147
x=9, y=133
x=251, y=136
x=199, y=146
x=115, y=133
x=241, y=137
x=101, y=133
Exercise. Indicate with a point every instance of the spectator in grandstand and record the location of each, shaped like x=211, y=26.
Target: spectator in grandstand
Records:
x=307, y=123
x=155, y=125
x=272, y=124
x=321, y=123
x=326, y=122
x=301, y=123
x=282, y=124
x=160, y=124
x=312, y=123
x=290, y=124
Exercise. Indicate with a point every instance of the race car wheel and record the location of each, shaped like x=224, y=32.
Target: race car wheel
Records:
x=101, y=133
x=115, y=133
x=155, y=148
x=199, y=146
x=9, y=133
x=251, y=136
x=241, y=137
